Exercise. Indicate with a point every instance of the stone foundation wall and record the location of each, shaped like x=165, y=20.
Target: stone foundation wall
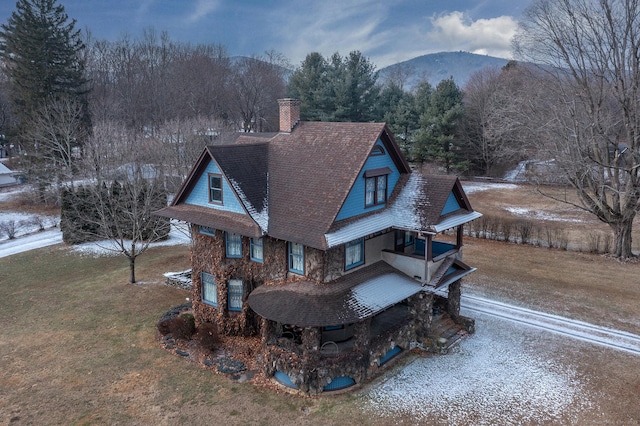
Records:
x=311, y=370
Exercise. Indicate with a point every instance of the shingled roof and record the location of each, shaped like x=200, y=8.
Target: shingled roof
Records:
x=291, y=184
x=351, y=298
x=416, y=206
x=312, y=170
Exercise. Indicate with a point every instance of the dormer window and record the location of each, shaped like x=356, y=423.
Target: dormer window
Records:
x=375, y=186
x=215, y=188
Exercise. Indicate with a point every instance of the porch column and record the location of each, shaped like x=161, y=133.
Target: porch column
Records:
x=428, y=258
x=459, y=235
x=311, y=337
x=268, y=330
x=362, y=335
x=453, y=301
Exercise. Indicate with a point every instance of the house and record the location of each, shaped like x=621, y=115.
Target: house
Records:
x=321, y=239
x=7, y=176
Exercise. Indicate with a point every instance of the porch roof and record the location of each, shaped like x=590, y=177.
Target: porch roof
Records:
x=228, y=221
x=349, y=299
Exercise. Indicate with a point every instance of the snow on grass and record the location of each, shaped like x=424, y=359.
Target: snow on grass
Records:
x=30, y=242
x=25, y=223
x=470, y=187
x=493, y=377
x=179, y=235
x=540, y=215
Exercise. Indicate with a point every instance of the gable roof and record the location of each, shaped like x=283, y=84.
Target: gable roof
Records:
x=416, y=206
x=246, y=168
x=311, y=175
x=293, y=185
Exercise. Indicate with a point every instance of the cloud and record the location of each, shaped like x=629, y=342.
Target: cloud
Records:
x=201, y=9
x=485, y=36
x=331, y=26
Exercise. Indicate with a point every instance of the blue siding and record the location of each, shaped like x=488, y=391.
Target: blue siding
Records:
x=339, y=383
x=354, y=203
x=284, y=379
x=390, y=354
x=451, y=205
x=200, y=193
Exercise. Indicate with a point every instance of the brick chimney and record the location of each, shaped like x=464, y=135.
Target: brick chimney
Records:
x=289, y=114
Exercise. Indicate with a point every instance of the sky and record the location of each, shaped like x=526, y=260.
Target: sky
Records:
x=386, y=32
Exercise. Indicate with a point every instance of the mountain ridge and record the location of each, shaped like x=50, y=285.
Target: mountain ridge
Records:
x=435, y=67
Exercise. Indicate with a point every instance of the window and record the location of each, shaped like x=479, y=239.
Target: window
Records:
x=375, y=190
x=207, y=230
x=215, y=188
x=234, y=245
x=377, y=150
x=235, y=293
x=209, y=290
x=354, y=253
x=296, y=258
x=408, y=238
x=256, y=250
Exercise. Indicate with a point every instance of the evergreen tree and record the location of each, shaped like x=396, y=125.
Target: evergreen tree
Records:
x=308, y=83
x=438, y=127
x=397, y=109
x=337, y=88
x=42, y=51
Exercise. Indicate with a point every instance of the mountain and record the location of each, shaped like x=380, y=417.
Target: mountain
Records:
x=436, y=67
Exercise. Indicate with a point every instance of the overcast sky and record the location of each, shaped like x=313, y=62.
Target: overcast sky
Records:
x=387, y=31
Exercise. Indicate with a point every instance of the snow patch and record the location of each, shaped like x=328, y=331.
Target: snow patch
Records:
x=471, y=187
x=260, y=217
x=179, y=235
x=540, y=215
x=491, y=378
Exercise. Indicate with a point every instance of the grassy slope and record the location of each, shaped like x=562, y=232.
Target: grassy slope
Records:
x=77, y=346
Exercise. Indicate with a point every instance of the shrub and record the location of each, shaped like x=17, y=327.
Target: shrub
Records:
x=163, y=326
x=9, y=228
x=208, y=337
x=593, y=242
x=525, y=230
x=183, y=326
x=606, y=243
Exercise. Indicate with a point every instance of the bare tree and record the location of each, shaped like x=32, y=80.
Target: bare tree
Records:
x=57, y=134
x=492, y=126
x=256, y=85
x=118, y=203
x=589, y=53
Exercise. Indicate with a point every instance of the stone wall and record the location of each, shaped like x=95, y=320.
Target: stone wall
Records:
x=311, y=370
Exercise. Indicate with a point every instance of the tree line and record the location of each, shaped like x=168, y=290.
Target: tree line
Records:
x=80, y=108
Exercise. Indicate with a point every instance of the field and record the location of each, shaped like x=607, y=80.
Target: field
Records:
x=78, y=345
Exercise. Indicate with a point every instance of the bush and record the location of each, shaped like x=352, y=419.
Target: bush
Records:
x=525, y=230
x=207, y=335
x=10, y=228
x=183, y=326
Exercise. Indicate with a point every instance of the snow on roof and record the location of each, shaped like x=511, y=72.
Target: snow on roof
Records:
x=379, y=293
x=401, y=214
x=456, y=220
x=408, y=211
x=260, y=217
x=4, y=170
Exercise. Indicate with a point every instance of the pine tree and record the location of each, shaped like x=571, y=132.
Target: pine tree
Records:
x=438, y=126
x=42, y=51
